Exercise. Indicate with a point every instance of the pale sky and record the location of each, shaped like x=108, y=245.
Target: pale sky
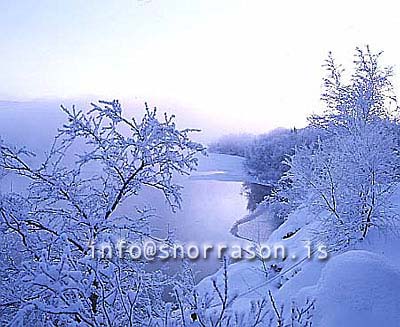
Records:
x=235, y=66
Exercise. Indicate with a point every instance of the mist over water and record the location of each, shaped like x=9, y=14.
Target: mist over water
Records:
x=38, y=120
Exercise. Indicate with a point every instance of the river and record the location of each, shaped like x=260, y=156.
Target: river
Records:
x=213, y=198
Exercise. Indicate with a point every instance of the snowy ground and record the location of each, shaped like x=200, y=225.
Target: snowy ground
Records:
x=359, y=287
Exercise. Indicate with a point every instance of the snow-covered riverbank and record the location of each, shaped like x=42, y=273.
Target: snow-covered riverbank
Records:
x=356, y=287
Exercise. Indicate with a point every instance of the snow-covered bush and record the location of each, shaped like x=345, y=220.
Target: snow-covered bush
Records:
x=98, y=160
x=348, y=176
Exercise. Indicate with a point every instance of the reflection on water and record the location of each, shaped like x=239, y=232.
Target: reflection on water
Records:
x=255, y=194
x=210, y=209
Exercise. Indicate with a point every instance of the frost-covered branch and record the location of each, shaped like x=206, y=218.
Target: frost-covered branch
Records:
x=99, y=159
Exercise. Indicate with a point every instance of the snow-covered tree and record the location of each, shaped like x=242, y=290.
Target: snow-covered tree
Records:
x=98, y=160
x=347, y=176
x=265, y=157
